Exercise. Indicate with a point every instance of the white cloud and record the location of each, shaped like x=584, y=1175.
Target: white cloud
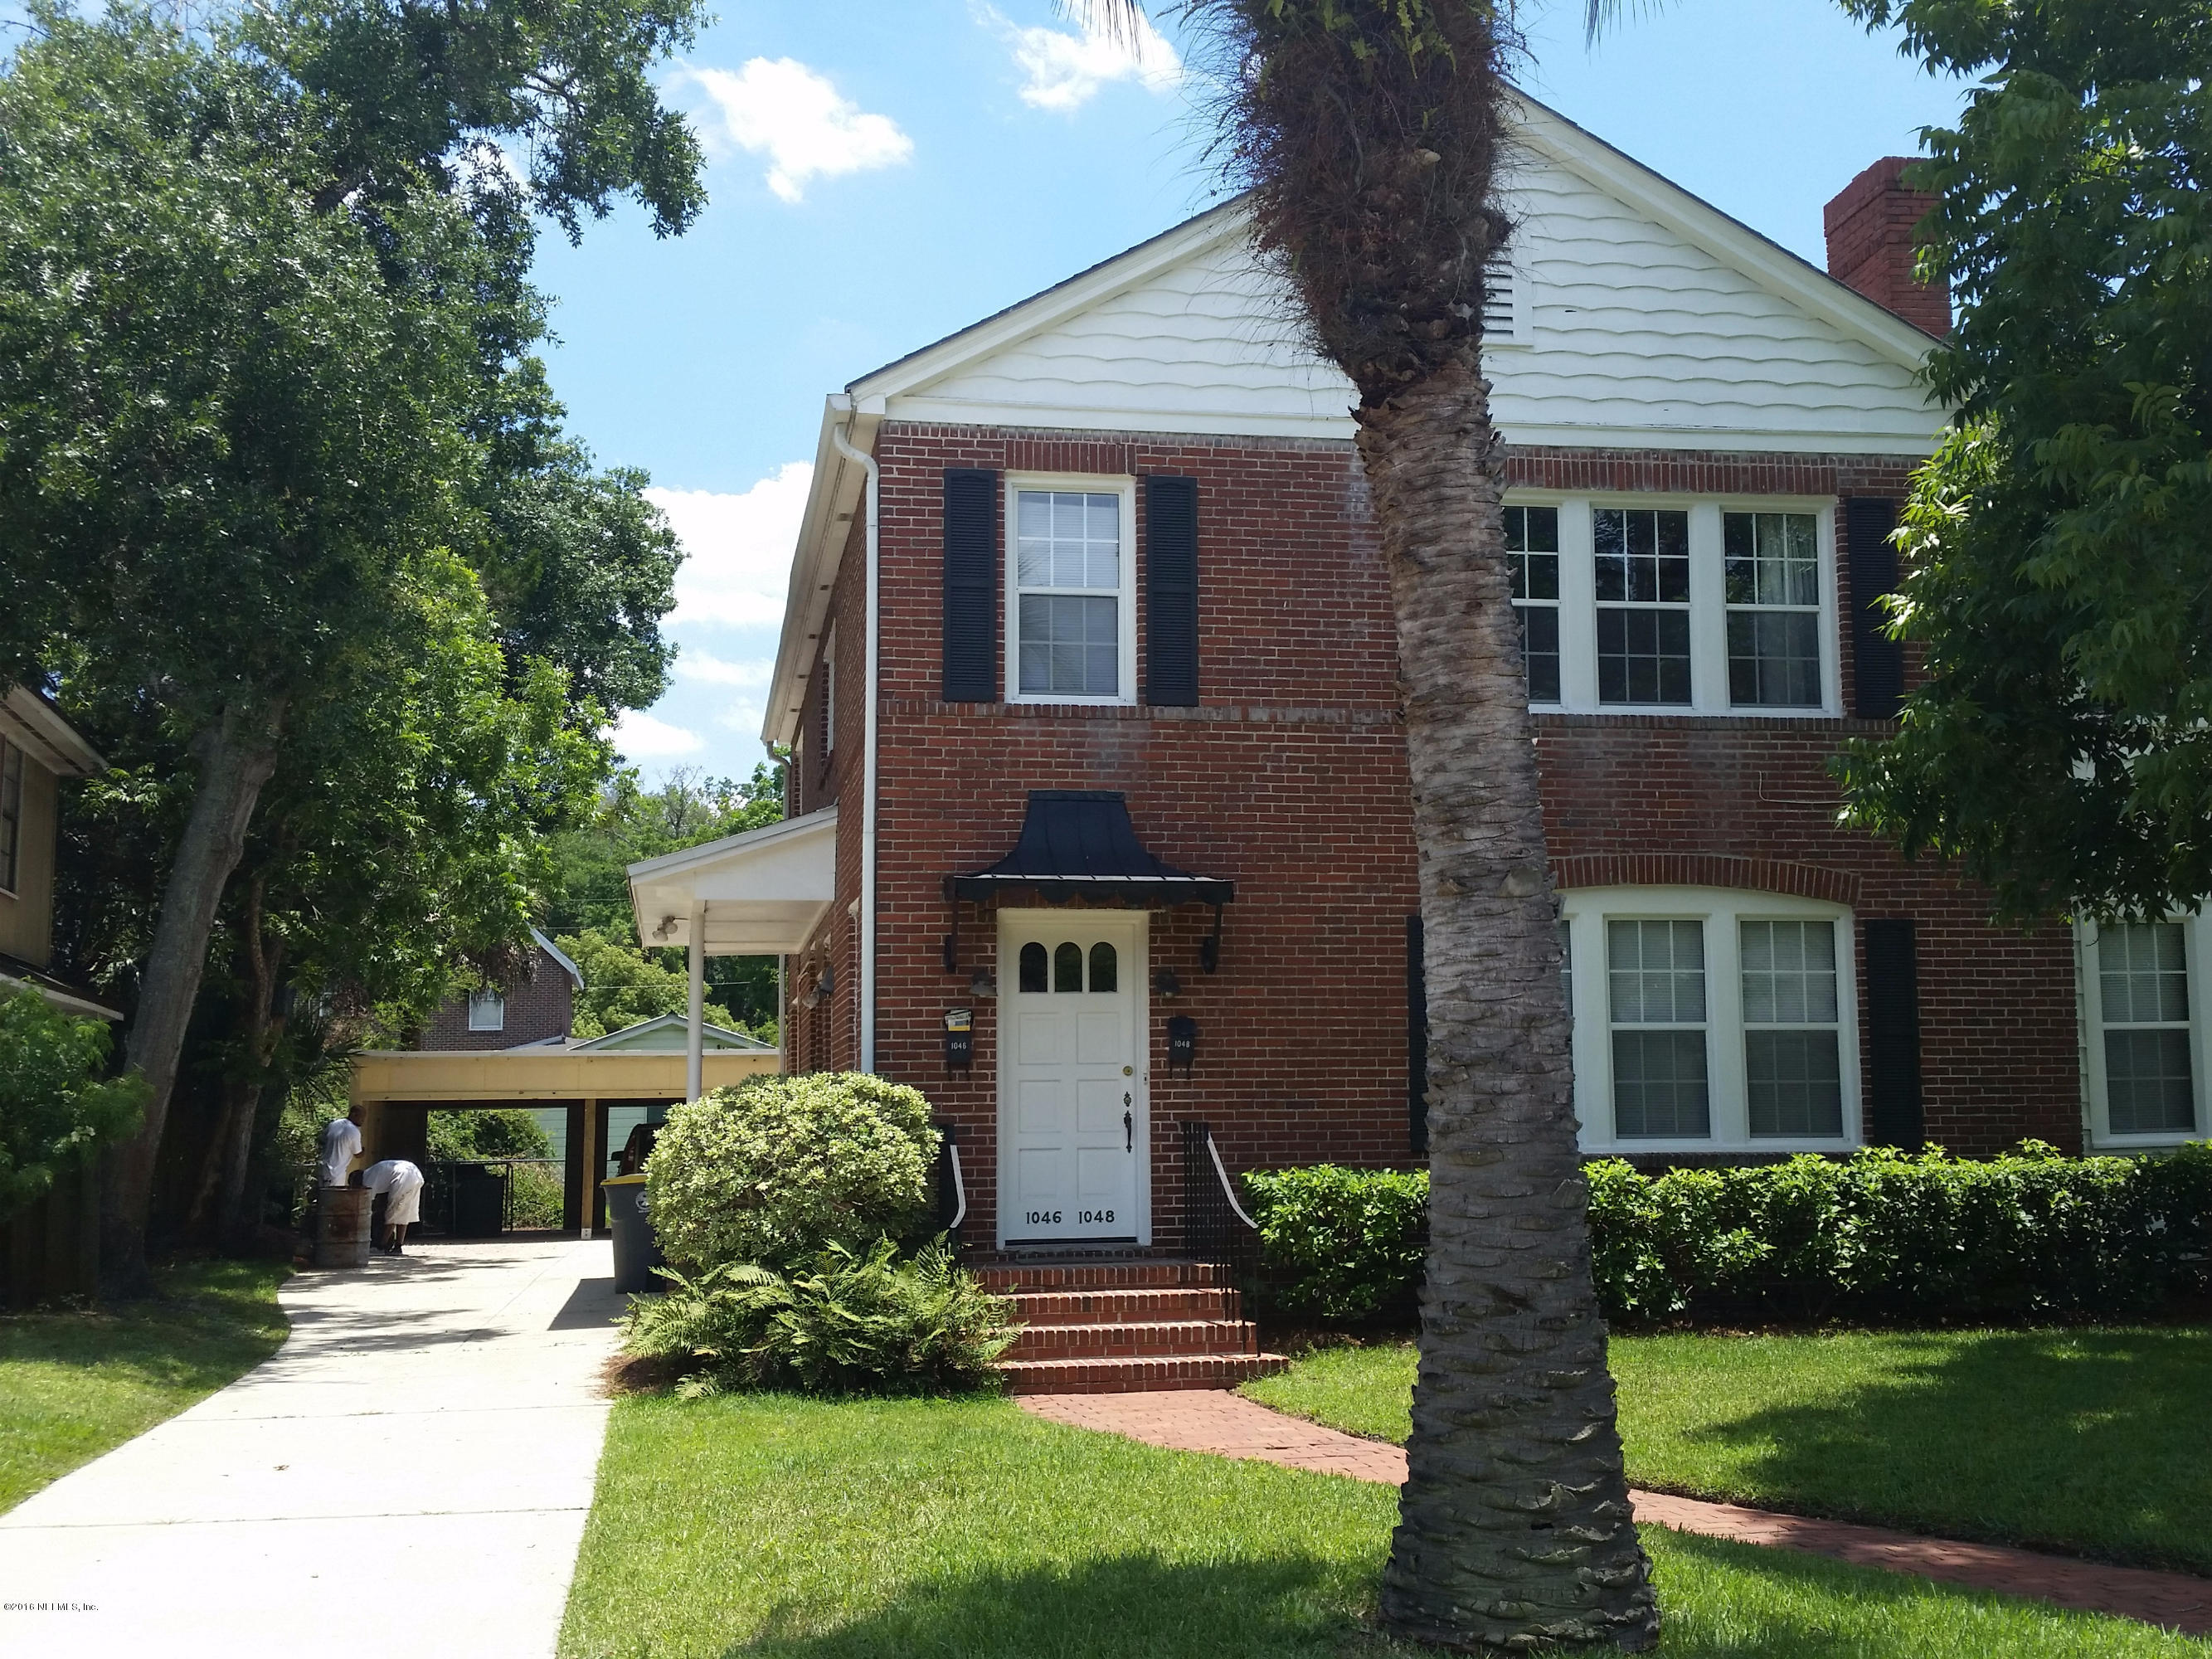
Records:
x=780, y=109
x=1064, y=71
x=640, y=736
x=694, y=663
x=739, y=548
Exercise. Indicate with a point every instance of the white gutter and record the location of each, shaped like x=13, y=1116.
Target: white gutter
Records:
x=867, y=464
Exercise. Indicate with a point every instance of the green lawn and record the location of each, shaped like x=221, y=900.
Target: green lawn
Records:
x=798, y=1529
x=74, y=1384
x=2089, y=1441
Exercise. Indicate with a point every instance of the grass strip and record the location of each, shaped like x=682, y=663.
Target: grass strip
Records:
x=2084, y=1441
x=75, y=1384
x=805, y=1529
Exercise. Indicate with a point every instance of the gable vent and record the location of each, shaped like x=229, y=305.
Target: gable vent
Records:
x=1497, y=300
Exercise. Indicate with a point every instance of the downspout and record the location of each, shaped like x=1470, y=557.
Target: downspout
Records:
x=867, y=987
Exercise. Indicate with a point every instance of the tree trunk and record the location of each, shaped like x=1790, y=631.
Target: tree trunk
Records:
x=1514, y=1525
x=237, y=755
x=264, y=1029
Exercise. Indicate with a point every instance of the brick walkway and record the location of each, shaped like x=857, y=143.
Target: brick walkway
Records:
x=1206, y=1420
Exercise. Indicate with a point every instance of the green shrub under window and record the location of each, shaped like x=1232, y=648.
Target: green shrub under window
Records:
x=1878, y=1236
x=776, y=1170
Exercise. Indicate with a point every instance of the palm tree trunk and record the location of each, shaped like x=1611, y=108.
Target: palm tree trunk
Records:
x=237, y=755
x=1514, y=1525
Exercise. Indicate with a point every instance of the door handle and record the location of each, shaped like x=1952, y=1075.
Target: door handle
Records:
x=1128, y=1126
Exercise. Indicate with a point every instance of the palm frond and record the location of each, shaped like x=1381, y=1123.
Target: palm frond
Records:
x=1599, y=15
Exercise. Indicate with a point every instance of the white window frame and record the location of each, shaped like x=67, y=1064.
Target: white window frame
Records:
x=1709, y=608
x=2197, y=959
x=1126, y=601
x=1586, y=911
x=483, y=998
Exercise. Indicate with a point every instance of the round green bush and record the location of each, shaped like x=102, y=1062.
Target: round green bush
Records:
x=779, y=1168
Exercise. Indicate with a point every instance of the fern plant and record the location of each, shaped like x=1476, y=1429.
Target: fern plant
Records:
x=849, y=1322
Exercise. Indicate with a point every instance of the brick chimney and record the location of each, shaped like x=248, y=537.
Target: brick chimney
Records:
x=1869, y=226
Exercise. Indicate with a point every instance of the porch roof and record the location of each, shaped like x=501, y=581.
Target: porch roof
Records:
x=1079, y=843
x=758, y=894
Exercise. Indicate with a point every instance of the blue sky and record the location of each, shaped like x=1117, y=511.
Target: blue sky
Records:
x=883, y=174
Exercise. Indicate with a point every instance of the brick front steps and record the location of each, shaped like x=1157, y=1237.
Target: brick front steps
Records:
x=1125, y=1326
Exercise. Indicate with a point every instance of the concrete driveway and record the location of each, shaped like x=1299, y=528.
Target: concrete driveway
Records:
x=409, y=1472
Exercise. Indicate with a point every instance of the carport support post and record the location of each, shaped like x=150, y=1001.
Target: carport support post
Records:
x=593, y=1162
x=695, y=1048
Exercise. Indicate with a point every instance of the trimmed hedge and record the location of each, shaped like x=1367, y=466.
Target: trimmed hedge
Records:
x=1878, y=1236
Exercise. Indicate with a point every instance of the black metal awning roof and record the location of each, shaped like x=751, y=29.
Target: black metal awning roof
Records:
x=1079, y=843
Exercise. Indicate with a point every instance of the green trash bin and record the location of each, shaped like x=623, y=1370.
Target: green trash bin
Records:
x=637, y=1252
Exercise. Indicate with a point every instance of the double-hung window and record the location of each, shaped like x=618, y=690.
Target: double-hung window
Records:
x=2145, y=1058
x=1792, y=1046
x=1675, y=605
x=1642, y=578
x=1773, y=567
x=1532, y=554
x=1711, y=1018
x=1071, y=613
x=1655, y=974
x=487, y=1011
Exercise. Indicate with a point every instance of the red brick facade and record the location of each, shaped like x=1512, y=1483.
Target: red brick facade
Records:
x=1289, y=778
x=541, y=1003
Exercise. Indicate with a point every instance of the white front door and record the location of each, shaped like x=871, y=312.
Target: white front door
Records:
x=1071, y=1130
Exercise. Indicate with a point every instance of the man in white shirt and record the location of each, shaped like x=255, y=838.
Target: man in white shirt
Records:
x=399, y=1184
x=341, y=1145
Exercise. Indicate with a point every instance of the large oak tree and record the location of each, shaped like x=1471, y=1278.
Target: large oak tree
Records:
x=264, y=327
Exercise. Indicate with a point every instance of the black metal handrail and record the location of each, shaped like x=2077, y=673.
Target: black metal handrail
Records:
x=1215, y=1226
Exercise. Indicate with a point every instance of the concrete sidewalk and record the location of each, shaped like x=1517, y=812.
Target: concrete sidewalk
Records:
x=410, y=1471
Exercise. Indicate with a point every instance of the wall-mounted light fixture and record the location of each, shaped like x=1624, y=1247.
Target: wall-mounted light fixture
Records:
x=982, y=983
x=1165, y=985
x=826, y=985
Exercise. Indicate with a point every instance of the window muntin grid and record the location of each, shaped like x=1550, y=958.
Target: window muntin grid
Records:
x=2142, y=994
x=1771, y=562
x=1068, y=580
x=1532, y=555
x=1793, y=1049
x=1642, y=571
x=1655, y=989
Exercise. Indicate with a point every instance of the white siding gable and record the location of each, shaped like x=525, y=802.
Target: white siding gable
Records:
x=1636, y=334
x=1628, y=330
x=1208, y=343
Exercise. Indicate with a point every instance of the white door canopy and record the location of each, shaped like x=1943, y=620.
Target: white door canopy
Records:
x=759, y=894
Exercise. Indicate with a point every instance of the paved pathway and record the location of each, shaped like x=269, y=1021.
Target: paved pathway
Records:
x=411, y=1470
x=1209, y=1421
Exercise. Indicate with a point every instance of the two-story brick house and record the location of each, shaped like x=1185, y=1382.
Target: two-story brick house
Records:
x=1088, y=672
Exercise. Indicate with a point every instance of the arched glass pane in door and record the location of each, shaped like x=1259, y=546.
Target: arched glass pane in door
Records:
x=1067, y=967
x=1033, y=967
x=1104, y=975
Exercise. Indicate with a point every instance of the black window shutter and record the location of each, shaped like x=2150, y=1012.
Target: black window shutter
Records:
x=1892, y=978
x=1171, y=591
x=971, y=585
x=1878, y=676
x=1417, y=1038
